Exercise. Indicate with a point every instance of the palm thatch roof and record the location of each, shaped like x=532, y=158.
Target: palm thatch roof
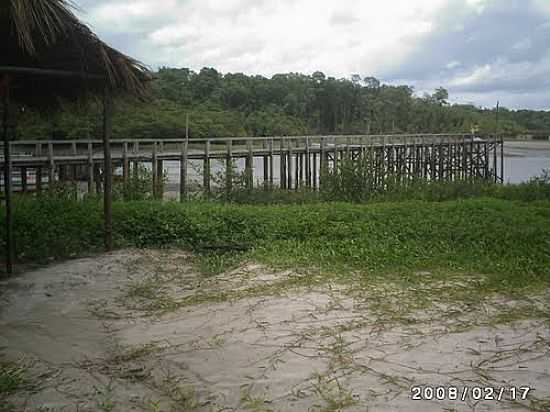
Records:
x=45, y=34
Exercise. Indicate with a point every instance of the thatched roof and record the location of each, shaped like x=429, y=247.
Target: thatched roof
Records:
x=45, y=34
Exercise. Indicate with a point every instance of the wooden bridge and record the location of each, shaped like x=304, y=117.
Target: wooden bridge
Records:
x=285, y=162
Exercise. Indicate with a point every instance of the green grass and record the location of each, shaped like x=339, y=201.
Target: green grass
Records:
x=506, y=240
x=11, y=378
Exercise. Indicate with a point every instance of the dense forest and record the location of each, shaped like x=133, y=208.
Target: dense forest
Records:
x=235, y=104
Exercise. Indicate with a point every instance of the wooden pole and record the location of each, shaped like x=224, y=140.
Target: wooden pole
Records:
x=51, y=170
x=206, y=171
x=154, y=170
x=270, y=164
x=107, y=168
x=38, y=179
x=187, y=126
x=282, y=177
x=229, y=168
x=249, y=168
x=90, y=169
x=160, y=178
x=24, y=185
x=289, y=166
x=308, y=164
x=183, y=170
x=7, y=182
x=125, y=163
x=323, y=162
x=266, y=167
x=501, y=160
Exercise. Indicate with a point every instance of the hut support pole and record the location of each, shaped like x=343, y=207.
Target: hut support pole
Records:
x=7, y=183
x=107, y=168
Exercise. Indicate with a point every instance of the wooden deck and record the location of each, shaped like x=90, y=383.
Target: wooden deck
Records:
x=300, y=160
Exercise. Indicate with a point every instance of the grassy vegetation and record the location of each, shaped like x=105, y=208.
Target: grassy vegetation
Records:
x=507, y=240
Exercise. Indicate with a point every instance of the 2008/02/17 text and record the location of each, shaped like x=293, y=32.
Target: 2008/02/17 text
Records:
x=476, y=393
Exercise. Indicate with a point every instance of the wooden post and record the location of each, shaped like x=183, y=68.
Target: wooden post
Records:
x=97, y=178
x=282, y=157
x=38, y=179
x=183, y=170
x=249, y=171
x=270, y=164
x=495, y=158
x=24, y=185
x=10, y=252
x=314, y=171
x=206, y=168
x=485, y=161
x=125, y=163
x=229, y=167
x=299, y=170
x=289, y=166
x=501, y=160
x=266, y=166
x=308, y=164
x=51, y=170
x=160, y=179
x=323, y=162
x=90, y=168
x=154, y=170
x=107, y=168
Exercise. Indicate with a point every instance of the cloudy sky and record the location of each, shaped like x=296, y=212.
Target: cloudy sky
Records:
x=480, y=50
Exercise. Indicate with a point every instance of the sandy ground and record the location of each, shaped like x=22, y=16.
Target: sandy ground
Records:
x=92, y=338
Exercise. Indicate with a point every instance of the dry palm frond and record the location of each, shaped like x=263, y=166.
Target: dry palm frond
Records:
x=47, y=34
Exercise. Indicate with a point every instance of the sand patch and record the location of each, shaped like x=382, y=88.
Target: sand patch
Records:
x=91, y=339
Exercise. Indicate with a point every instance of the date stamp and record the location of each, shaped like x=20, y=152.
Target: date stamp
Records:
x=465, y=393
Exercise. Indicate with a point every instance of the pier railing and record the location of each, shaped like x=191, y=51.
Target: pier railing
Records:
x=288, y=162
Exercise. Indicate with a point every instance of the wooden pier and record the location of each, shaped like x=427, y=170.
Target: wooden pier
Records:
x=284, y=162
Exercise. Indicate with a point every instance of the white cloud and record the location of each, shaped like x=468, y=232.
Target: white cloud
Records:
x=337, y=37
x=426, y=43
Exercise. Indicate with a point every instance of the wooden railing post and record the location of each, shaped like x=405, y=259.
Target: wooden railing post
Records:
x=90, y=168
x=249, y=166
x=229, y=168
x=183, y=170
x=206, y=169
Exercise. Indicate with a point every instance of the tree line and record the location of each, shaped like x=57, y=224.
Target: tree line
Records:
x=236, y=104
